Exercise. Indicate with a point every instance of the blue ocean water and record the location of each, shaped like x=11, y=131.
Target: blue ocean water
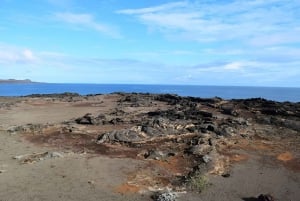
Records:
x=226, y=92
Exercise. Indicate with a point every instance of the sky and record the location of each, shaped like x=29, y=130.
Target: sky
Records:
x=189, y=42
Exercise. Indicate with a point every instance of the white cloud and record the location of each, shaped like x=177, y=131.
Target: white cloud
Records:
x=247, y=73
x=213, y=21
x=28, y=55
x=233, y=66
x=87, y=21
x=245, y=42
x=12, y=55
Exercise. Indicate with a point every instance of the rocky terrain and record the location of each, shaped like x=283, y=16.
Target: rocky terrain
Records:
x=183, y=148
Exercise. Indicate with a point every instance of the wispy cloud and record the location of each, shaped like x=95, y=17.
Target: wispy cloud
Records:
x=214, y=21
x=162, y=7
x=86, y=20
x=249, y=42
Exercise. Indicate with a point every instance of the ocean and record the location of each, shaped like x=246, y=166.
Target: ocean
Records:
x=226, y=92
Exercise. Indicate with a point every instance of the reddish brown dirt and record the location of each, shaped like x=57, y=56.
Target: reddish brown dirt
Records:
x=81, y=143
x=127, y=189
x=176, y=165
x=289, y=161
x=149, y=176
x=286, y=156
x=293, y=164
x=158, y=174
x=275, y=151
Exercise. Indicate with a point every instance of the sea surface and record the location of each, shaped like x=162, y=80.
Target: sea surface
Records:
x=225, y=92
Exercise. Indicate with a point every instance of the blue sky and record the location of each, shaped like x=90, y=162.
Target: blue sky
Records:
x=190, y=42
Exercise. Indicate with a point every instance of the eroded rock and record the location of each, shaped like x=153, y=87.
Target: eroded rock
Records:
x=265, y=197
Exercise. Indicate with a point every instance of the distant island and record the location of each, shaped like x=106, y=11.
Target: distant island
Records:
x=2, y=81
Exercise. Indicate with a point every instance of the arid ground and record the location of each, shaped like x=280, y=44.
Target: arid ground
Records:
x=132, y=146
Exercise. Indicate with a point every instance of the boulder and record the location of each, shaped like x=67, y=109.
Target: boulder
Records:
x=206, y=159
x=265, y=197
x=229, y=109
x=166, y=196
x=86, y=119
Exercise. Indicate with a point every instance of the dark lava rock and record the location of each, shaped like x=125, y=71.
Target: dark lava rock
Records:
x=226, y=131
x=226, y=175
x=172, y=99
x=86, y=119
x=279, y=122
x=158, y=155
x=265, y=197
x=206, y=114
x=229, y=109
x=115, y=121
x=54, y=95
x=137, y=99
x=151, y=131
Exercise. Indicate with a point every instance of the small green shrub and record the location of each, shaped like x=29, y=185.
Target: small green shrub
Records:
x=198, y=182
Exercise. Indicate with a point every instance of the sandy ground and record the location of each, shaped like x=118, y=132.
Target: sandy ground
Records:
x=73, y=177
x=250, y=179
x=80, y=176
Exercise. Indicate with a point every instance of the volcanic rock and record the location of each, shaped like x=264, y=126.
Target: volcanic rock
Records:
x=265, y=197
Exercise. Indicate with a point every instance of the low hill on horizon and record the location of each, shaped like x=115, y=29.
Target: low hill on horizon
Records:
x=15, y=81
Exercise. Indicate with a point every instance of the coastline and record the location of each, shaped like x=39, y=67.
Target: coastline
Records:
x=276, y=93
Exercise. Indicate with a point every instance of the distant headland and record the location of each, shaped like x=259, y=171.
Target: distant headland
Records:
x=2, y=81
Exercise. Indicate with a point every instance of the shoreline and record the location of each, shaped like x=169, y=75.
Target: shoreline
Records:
x=75, y=94
x=225, y=92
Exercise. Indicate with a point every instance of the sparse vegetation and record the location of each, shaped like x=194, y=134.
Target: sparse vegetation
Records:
x=198, y=182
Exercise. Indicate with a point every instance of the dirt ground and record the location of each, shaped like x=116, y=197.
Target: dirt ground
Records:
x=270, y=165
